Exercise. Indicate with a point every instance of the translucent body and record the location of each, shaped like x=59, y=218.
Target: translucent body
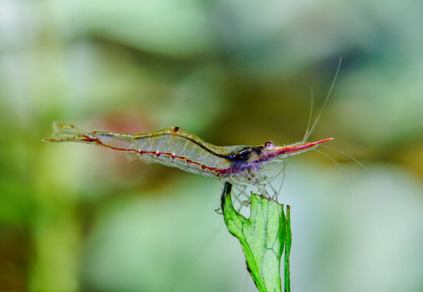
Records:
x=175, y=147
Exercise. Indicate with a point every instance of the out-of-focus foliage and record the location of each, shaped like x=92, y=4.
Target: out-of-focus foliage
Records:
x=80, y=218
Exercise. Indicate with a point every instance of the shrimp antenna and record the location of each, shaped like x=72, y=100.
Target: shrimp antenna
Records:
x=283, y=175
x=194, y=257
x=310, y=116
x=309, y=132
x=283, y=172
x=340, y=167
x=349, y=156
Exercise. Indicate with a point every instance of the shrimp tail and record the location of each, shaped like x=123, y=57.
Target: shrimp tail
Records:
x=63, y=132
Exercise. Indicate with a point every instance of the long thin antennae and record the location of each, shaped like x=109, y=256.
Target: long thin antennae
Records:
x=340, y=167
x=195, y=256
x=283, y=170
x=326, y=101
x=247, y=277
x=283, y=176
x=306, y=134
x=349, y=156
x=280, y=171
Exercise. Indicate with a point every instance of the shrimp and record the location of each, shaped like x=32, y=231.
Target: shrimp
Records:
x=240, y=165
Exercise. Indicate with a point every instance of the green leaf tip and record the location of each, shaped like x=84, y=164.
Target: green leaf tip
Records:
x=263, y=237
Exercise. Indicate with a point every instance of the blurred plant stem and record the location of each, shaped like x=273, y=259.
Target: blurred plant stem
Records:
x=263, y=237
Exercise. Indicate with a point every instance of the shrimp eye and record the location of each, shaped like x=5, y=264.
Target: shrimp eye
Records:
x=269, y=145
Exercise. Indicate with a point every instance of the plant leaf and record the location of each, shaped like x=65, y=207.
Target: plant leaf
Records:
x=263, y=237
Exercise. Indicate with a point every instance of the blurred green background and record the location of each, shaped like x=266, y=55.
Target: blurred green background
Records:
x=80, y=218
